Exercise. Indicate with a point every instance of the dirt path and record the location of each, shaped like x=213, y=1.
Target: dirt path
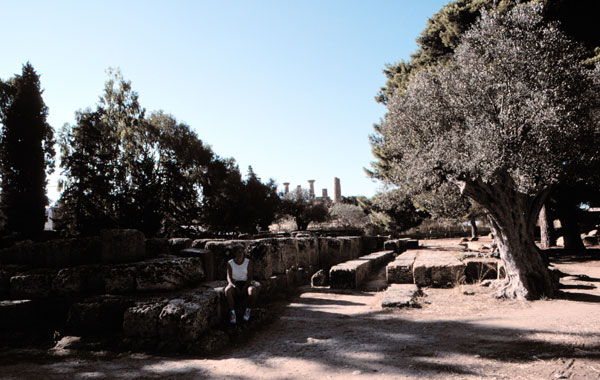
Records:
x=325, y=334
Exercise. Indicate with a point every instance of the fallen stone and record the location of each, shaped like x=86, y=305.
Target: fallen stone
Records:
x=400, y=271
x=401, y=295
x=438, y=268
x=319, y=278
x=372, y=243
x=406, y=244
x=391, y=245
x=122, y=246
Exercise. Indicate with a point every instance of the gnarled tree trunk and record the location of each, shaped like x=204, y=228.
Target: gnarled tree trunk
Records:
x=512, y=218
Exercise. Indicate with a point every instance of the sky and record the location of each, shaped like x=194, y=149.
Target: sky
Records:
x=284, y=86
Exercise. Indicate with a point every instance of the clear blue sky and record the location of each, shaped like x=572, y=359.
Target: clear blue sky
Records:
x=284, y=86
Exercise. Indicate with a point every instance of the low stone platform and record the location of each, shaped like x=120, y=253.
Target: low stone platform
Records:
x=400, y=271
x=401, y=295
x=438, y=268
x=351, y=274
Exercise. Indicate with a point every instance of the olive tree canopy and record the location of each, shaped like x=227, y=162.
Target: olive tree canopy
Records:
x=506, y=118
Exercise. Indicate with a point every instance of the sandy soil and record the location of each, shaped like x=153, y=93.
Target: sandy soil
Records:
x=460, y=333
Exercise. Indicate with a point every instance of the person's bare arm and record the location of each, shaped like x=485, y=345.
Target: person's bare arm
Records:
x=229, y=279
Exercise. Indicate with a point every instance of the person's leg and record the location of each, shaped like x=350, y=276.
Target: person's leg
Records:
x=229, y=292
x=252, y=295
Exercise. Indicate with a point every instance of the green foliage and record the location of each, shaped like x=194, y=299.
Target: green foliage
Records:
x=125, y=170
x=26, y=152
x=348, y=215
x=300, y=206
x=393, y=211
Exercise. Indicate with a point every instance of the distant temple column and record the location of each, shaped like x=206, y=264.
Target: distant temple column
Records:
x=299, y=191
x=337, y=190
x=286, y=191
x=325, y=194
x=311, y=182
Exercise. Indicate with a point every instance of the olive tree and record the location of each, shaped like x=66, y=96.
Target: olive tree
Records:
x=504, y=120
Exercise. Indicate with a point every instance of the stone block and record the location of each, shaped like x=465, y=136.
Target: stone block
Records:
x=330, y=251
x=178, y=244
x=372, y=243
x=400, y=271
x=345, y=250
x=356, y=247
x=201, y=243
x=378, y=259
x=184, y=320
x=99, y=314
x=407, y=243
x=401, y=295
x=80, y=280
x=141, y=320
x=277, y=264
x=31, y=285
x=208, y=261
x=157, y=246
x=16, y=314
x=122, y=246
x=168, y=273
x=349, y=275
x=391, y=245
x=289, y=253
x=308, y=253
x=479, y=269
x=260, y=254
x=120, y=279
x=319, y=278
x=438, y=268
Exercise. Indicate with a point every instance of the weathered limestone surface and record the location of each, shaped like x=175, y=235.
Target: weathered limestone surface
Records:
x=178, y=244
x=319, y=278
x=406, y=243
x=120, y=279
x=168, y=274
x=438, y=268
x=55, y=253
x=260, y=254
x=208, y=260
x=330, y=251
x=122, y=246
x=98, y=314
x=349, y=275
x=401, y=295
x=84, y=279
x=17, y=313
x=289, y=253
x=377, y=259
x=480, y=268
x=400, y=271
x=373, y=243
x=32, y=285
x=307, y=251
x=157, y=246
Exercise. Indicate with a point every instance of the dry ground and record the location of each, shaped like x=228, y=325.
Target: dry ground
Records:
x=460, y=333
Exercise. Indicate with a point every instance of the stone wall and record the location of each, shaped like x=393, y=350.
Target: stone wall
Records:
x=160, y=294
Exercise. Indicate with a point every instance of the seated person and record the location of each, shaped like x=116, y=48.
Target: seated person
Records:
x=239, y=282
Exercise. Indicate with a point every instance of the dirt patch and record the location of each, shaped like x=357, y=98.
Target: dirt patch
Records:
x=460, y=333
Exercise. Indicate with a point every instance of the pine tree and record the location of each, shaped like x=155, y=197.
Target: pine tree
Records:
x=26, y=153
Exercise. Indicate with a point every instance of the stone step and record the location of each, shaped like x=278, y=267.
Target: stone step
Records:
x=400, y=271
x=438, y=268
x=350, y=274
x=161, y=274
x=401, y=295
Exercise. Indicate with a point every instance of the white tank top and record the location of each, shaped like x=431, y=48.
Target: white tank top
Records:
x=239, y=272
